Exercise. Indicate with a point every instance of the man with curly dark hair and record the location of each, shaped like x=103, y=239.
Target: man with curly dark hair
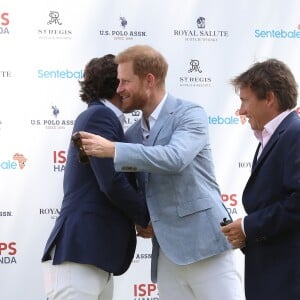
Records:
x=94, y=236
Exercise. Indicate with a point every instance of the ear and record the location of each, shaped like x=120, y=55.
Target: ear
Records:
x=150, y=79
x=271, y=99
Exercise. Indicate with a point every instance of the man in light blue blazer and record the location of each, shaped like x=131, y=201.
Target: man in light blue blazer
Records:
x=191, y=258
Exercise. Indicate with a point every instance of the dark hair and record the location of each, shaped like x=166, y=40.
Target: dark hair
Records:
x=270, y=75
x=99, y=79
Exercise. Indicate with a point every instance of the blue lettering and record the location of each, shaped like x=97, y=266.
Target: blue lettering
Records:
x=223, y=120
x=6, y=165
x=60, y=74
x=278, y=34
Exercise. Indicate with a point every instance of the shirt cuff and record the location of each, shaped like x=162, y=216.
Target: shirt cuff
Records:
x=242, y=225
x=115, y=153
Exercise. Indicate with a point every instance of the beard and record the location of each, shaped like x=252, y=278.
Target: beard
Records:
x=133, y=102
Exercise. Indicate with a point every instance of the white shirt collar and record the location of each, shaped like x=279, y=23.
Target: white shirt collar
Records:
x=265, y=135
x=115, y=109
x=154, y=115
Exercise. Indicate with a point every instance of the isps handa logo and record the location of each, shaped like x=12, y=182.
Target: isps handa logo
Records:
x=59, y=160
x=231, y=203
x=17, y=162
x=4, y=22
x=145, y=291
x=8, y=251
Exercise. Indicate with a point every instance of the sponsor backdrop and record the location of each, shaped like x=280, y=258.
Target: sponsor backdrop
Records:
x=44, y=48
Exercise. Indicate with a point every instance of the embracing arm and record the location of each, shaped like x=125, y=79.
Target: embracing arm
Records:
x=116, y=185
x=188, y=138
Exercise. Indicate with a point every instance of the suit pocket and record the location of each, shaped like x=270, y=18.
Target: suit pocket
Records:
x=163, y=140
x=191, y=207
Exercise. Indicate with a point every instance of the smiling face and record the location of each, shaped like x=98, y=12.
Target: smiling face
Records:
x=257, y=111
x=132, y=89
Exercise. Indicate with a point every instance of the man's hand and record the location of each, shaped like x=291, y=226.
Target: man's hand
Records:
x=144, y=232
x=234, y=234
x=95, y=145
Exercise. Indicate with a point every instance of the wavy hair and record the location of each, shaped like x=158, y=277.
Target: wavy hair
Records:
x=99, y=79
x=270, y=75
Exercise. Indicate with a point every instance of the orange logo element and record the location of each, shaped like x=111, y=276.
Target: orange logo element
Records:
x=21, y=159
x=242, y=117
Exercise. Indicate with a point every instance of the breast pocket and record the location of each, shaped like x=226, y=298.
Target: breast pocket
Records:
x=191, y=207
x=163, y=140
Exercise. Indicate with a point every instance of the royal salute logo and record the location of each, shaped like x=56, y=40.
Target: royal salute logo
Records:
x=201, y=32
x=54, y=28
x=4, y=23
x=123, y=31
x=17, y=162
x=194, y=76
x=136, y=113
x=245, y=165
x=54, y=122
x=51, y=212
x=5, y=74
x=8, y=251
x=131, y=118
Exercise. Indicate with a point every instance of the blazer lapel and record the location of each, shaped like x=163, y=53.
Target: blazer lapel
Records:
x=165, y=113
x=255, y=158
x=135, y=133
x=273, y=140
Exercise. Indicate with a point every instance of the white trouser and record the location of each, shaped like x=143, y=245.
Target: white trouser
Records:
x=214, y=278
x=73, y=281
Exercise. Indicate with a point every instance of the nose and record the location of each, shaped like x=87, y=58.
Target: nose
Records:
x=119, y=88
x=242, y=110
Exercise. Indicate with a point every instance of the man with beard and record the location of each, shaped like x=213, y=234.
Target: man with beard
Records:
x=191, y=258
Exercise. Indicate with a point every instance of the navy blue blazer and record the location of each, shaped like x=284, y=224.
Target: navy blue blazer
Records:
x=100, y=206
x=272, y=201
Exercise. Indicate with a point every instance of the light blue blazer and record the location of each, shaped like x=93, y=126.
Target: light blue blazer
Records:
x=182, y=194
